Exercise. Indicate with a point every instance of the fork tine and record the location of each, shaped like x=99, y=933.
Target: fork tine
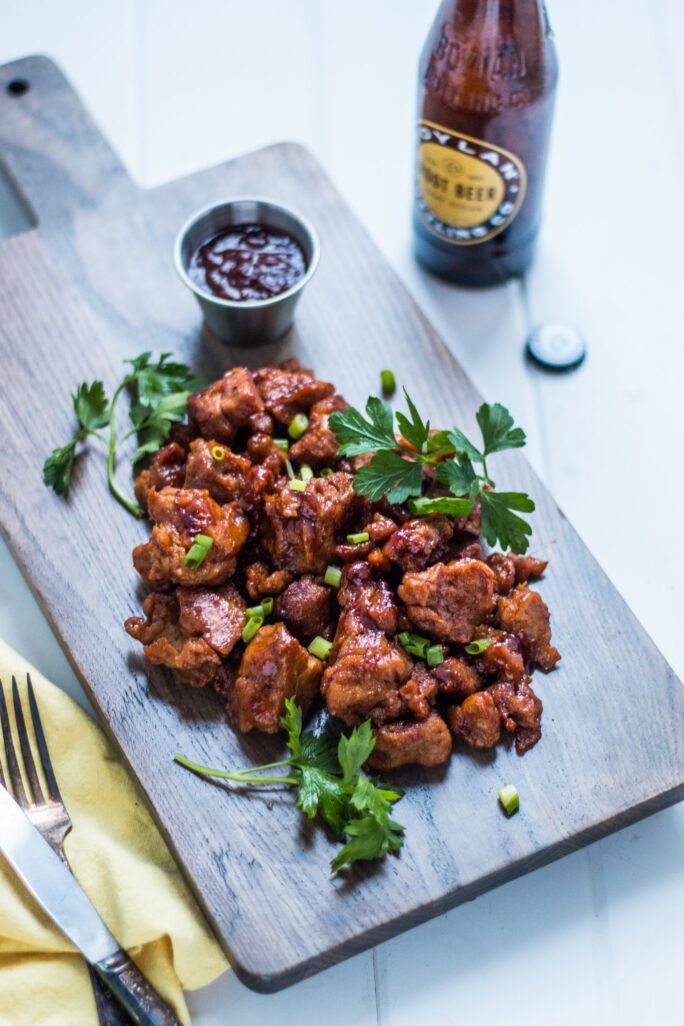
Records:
x=45, y=759
x=12, y=764
x=25, y=745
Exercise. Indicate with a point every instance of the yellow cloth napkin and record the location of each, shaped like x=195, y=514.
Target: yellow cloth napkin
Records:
x=122, y=863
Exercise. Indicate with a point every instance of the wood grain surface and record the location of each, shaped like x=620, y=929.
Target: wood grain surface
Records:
x=92, y=284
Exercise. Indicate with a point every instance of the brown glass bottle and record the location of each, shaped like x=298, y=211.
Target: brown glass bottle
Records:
x=486, y=91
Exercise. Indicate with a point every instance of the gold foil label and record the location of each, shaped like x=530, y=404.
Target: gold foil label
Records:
x=467, y=189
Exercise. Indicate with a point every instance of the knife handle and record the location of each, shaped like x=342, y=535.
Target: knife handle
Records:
x=137, y=995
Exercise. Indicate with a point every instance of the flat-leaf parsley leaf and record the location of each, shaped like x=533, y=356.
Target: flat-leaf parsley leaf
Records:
x=397, y=468
x=159, y=395
x=330, y=784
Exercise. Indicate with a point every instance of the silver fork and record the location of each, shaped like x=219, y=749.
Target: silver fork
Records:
x=47, y=813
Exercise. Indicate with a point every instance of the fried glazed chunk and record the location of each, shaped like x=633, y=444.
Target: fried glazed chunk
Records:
x=318, y=445
x=167, y=469
x=262, y=580
x=456, y=678
x=448, y=601
x=227, y=476
x=215, y=614
x=274, y=666
x=226, y=405
x=510, y=569
x=365, y=677
x=520, y=711
x=420, y=542
x=298, y=528
x=192, y=659
x=525, y=614
x=216, y=468
x=366, y=669
x=503, y=569
x=503, y=657
x=528, y=568
x=405, y=743
x=476, y=721
x=179, y=514
x=306, y=608
x=420, y=692
x=286, y=391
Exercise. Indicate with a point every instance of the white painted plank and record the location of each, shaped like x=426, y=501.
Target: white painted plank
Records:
x=611, y=262
x=669, y=21
x=518, y=955
x=341, y=996
x=220, y=78
x=96, y=45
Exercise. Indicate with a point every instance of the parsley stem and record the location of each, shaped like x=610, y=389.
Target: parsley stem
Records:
x=93, y=434
x=239, y=778
x=125, y=438
x=267, y=765
x=127, y=503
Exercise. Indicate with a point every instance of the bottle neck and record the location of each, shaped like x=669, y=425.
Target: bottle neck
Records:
x=467, y=15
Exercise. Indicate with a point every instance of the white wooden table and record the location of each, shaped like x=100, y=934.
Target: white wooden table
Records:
x=597, y=937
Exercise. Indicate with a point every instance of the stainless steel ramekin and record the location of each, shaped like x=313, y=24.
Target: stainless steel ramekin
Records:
x=255, y=321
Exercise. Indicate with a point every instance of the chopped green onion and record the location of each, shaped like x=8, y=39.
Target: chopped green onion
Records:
x=434, y=655
x=415, y=644
x=442, y=504
x=358, y=539
x=305, y=472
x=265, y=608
x=197, y=552
x=251, y=627
x=282, y=443
x=478, y=647
x=218, y=453
x=333, y=576
x=387, y=380
x=327, y=472
x=320, y=648
x=290, y=470
x=298, y=425
x=298, y=485
x=510, y=799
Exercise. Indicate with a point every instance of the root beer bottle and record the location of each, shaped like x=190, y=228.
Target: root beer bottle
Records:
x=485, y=102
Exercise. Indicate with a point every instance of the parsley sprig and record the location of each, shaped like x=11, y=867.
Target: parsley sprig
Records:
x=330, y=784
x=159, y=396
x=397, y=467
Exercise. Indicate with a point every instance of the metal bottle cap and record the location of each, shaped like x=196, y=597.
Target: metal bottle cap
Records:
x=556, y=346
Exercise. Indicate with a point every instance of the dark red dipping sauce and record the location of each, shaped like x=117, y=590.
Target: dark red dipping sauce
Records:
x=249, y=261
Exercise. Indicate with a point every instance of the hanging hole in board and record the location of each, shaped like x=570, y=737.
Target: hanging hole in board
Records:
x=17, y=87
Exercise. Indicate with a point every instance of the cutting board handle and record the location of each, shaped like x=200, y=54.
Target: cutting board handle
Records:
x=55, y=155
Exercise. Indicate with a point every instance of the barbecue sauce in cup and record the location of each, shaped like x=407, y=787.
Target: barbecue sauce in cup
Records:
x=247, y=262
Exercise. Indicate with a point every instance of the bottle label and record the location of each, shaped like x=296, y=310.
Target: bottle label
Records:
x=467, y=190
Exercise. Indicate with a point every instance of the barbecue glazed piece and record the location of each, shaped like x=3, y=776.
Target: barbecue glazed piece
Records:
x=299, y=528
x=192, y=658
x=423, y=743
x=448, y=601
x=274, y=667
x=180, y=515
x=290, y=556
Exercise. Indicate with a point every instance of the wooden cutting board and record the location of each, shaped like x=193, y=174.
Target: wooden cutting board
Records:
x=93, y=283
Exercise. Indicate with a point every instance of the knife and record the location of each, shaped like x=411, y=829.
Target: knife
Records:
x=58, y=892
